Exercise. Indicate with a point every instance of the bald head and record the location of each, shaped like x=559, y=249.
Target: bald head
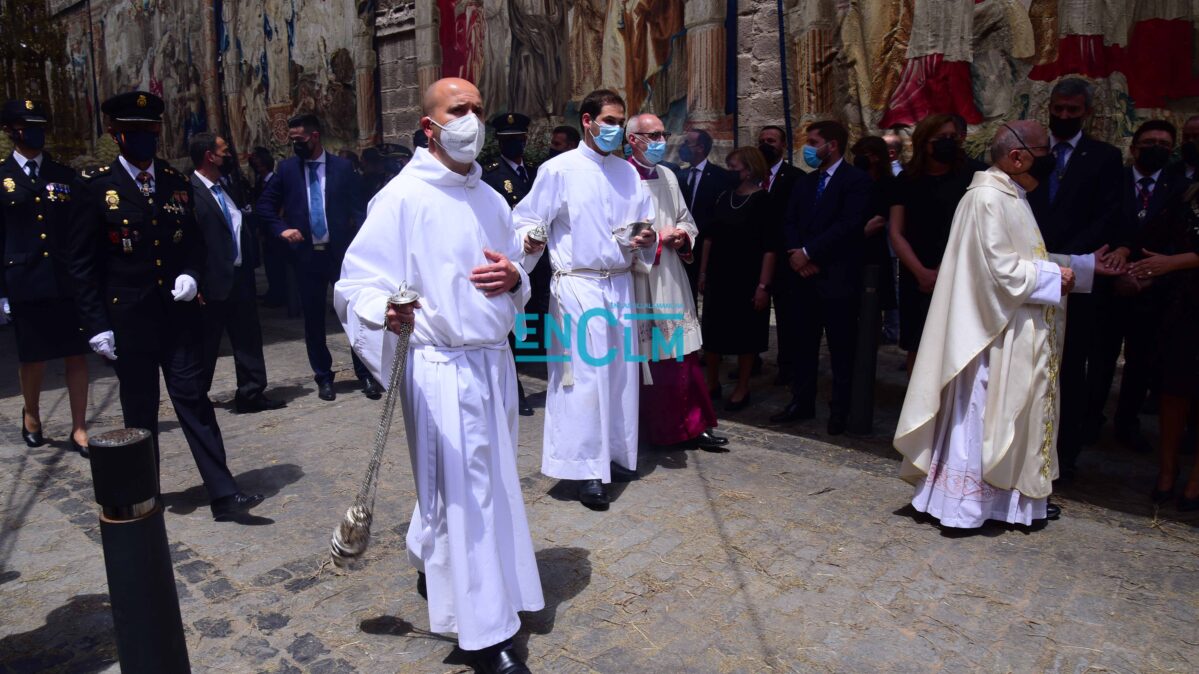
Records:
x=644, y=123
x=448, y=89
x=1024, y=134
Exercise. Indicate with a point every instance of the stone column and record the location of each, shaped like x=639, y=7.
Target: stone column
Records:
x=365, y=63
x=428, y=49
x=209, y=86
x=704, y=21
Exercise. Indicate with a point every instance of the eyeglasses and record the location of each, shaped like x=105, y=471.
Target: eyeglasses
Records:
x=655, y=135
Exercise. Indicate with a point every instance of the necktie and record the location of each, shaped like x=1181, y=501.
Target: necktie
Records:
x=316, y=204
x=220, y=199
x=1061, y=152
x=770, y=178
x=524, y=175
x=1144, y=192
x=32, y=166
x=821, y=184
x=692, y=179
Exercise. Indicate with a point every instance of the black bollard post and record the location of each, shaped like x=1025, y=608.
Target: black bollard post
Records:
x=861, y=405
x=141, y=582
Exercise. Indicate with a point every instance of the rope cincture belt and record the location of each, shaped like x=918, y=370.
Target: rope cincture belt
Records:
x=353, y=534
x=568, y=377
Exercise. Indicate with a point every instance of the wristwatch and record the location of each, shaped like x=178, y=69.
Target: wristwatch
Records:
x=519, y=281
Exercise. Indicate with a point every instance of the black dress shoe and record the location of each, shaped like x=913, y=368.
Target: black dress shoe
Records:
x=737, y=405
x=371, y=388
x=709, y=440
x=259, y=403
x=1052, y=511
x=422, y=585
x=524, y=408
x=32, y=438
x=81, y=449
x=836, y=425
x=229, y=508
x=502, y=659
x=324, y=391
x=793, y=412
x=593, y=494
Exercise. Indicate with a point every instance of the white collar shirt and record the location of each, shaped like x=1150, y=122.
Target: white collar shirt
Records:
x=234, y=222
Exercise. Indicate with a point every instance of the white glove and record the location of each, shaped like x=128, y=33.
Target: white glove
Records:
x=104, y=344
x=185, y=289
x=5, y=311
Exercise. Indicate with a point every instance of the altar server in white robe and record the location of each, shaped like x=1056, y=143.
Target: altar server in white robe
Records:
x=978, y=427
x=587, y=199
x=438, y=227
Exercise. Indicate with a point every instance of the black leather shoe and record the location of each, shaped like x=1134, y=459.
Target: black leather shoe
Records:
x=1052, y=511
x=324, y=391
x=229, y=508
x=502, y=660
x=524, y=408
x=793, y=412
x=593, y=494
x=422, y=585
x=737, y=405
x=836, y=425
x=709, y=440
x=258, y=403
x=371, y=389
x=32, y=438
x=81, y=449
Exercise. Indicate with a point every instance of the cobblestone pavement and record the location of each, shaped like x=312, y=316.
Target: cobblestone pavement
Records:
x=785, y=554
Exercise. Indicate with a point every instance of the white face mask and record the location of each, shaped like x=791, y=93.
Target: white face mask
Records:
x=462, y=138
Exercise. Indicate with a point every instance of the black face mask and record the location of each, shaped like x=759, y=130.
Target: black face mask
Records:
x=685, y=155
x=512, y=148
x=302, y=149
x=945, y=150
x=227, y=166
x=770, y=152
x=139, y=146
x=1190, y=153
x=33, y=137
x=1043, y=167
x=862, y=162
x=1150, y=160
x=1065, y=128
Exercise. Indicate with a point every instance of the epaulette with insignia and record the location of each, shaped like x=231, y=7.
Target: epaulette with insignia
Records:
x=89, y=175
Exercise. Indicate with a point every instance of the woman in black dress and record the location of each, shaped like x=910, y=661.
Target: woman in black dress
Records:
x=1176, y=267
x=34, y=292
x=734, y=275
x=930, y=189
x=870, y=155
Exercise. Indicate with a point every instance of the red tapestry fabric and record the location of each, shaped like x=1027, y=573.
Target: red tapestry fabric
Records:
x=930, y=85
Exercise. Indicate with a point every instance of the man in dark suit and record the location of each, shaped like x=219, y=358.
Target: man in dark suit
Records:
x=512, y=177
x=823, y=239
x=136, y=257
x=1077, y=207
x=1131, y=315
x=701, y=182
x=228, y=286
x=275, y=251
x=773, y=143
x=315, y=204
x=1188, y=166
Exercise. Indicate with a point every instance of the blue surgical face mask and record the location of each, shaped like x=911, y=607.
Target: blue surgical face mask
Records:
x=655, y=151
x=810, y=156
x=609, y=137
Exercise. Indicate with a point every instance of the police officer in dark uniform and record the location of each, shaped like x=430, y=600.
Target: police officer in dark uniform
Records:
x=136, y=257
x=35, y=291
x=512, y=177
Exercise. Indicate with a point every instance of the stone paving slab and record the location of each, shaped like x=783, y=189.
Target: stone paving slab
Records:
x=785, y=554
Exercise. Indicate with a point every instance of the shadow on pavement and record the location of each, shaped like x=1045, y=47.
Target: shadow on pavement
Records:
x=268, y=481
x=77, y=637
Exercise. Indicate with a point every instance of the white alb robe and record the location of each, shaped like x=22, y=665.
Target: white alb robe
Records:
x=978, y=426
x=469, y=532
x=582, y=197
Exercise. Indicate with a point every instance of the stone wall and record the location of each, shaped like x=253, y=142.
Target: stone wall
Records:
x=395, y=40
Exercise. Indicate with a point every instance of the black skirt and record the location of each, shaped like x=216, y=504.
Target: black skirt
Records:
x=47, y=330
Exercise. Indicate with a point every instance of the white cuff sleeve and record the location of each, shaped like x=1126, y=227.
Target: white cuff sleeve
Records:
x=1049, y=284
x=1084, y=272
